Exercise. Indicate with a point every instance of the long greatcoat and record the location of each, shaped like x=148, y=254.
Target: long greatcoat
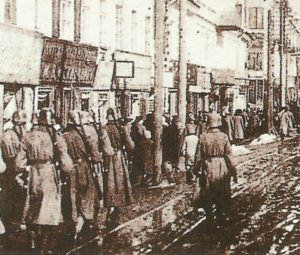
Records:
x=229, y=127
x=119, y=193
x=12, y=195
x=212, y=149
x=238, y=124
x=286, y=122
x=189, y=148
x=84, y=197
x=44, y=190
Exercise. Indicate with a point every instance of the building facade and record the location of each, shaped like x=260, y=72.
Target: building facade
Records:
x=83, y=46
x=216, y=56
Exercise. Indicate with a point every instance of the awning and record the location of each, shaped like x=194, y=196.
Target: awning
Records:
x=223, y=76
x=20, y=55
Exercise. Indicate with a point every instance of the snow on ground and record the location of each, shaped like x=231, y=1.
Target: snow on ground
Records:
x=239, y=150
x=264, y=139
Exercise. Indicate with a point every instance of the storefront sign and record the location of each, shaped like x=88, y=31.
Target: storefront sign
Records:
x=79, y=64
x=142, y=71
x=68, y=63
x=51, y=66
x=124, y=69
x=20, y=55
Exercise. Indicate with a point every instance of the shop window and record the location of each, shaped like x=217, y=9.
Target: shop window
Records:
x=85, y=101
x=45, y=98
x=255, y=61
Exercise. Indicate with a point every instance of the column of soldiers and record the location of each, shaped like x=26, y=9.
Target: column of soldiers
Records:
x=56, y=182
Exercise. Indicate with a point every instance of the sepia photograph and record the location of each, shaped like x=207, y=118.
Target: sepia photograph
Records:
x=160, y=127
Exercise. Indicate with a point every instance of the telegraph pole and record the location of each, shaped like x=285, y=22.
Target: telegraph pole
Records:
x=160, y=13
x=270, y=92
x=181, y=105
x=282, y=52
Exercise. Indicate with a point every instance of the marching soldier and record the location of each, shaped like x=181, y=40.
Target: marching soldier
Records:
x=213, y=165
x=45, y=154
x=13, y=192
x=128, y=143
x=119, y=193
x=83, y=149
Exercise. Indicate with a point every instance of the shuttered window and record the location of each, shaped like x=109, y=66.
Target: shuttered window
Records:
x=256, y=17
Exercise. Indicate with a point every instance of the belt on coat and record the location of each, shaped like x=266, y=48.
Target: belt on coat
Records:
x=40, y=162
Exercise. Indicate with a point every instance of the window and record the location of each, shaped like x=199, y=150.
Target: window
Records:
x=255, y=61
x=26, y=14
x=43, y=17
x=119, y=26
x=147, y=35
x=85, y=26
x=103, y=23
x=10, y=15
x=133, y=30
x=67, y=19
x=256, y=18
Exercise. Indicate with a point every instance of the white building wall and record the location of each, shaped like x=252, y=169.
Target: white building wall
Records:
x=133, y=25
x=200, y=34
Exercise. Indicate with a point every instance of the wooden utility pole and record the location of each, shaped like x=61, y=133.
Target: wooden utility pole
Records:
x=159, y=14
x=282, y=54
x=270, y=92
x=181, y=106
